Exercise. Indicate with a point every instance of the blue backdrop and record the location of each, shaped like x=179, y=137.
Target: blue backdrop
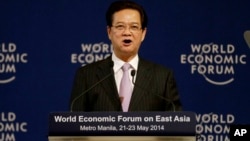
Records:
x=43, y=42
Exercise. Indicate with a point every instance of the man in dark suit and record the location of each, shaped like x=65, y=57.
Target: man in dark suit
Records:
x=100, y=86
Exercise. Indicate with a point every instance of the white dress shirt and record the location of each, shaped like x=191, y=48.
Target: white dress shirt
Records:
x=118, y=63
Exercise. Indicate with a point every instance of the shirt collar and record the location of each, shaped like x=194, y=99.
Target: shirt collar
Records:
x=118, y=63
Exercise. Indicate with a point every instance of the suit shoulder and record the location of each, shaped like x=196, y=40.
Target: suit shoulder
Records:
x=95, y=65
x=156, y=66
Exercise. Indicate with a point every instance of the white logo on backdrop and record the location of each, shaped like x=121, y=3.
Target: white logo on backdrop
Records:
x=9, y=126
x=91, y=52
x=215, y=62
x=213, y=127
x=9, y=58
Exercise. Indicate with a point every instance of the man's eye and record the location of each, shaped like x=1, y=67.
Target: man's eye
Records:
x=120, y=26
x=134, y=27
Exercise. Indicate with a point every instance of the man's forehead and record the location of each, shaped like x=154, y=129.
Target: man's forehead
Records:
x=127, y=15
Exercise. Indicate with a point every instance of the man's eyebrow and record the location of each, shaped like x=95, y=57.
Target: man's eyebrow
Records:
x=128, y=23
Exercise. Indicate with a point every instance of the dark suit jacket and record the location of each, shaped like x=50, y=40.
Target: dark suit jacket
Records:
x=155, y=89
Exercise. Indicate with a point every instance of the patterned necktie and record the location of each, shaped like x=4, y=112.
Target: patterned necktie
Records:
x=125, y=88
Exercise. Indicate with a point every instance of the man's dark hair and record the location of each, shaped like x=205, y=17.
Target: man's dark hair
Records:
x=126, y=4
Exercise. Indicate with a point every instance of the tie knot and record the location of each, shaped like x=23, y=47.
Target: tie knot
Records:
x=126, y=66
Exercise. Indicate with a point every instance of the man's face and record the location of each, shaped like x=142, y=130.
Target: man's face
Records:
x=126, y=34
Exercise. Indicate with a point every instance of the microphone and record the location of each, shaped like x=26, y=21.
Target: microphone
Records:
x=90, y=88
x=133, y=72
x=133, y=78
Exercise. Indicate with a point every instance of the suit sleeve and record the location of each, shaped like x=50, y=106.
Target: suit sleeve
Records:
x=172, y=93
x=77, y=101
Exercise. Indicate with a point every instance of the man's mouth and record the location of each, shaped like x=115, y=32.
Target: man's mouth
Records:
x=127, y=41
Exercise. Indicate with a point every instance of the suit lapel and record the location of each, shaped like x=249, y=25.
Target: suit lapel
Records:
x=109, y=86
x=142, y=84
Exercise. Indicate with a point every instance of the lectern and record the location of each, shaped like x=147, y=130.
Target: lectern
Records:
x=123, y=126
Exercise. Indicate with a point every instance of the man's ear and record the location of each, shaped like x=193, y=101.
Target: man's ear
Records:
x=143, y=34
x=108, y=31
